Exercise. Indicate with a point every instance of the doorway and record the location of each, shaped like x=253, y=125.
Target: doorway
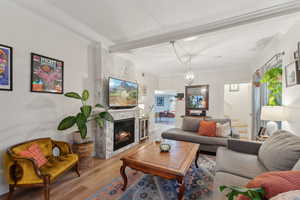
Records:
x=237, y=107
x=165, y=105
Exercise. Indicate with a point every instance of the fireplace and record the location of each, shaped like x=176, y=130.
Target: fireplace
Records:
x=123, y=132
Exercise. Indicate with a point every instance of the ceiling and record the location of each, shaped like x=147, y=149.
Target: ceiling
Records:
x=127, y=20
x=231, y=49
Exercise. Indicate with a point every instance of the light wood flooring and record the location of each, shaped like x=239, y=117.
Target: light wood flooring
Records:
x=72, y=187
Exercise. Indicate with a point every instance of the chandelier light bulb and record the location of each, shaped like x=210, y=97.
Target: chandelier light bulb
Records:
x=189, y=77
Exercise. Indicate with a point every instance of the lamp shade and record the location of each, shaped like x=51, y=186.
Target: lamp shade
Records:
x=273, y=113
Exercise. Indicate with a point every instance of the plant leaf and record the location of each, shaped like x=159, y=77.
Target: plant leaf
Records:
x=107, y=116
x=83, y=131
x=66, y=123
x=86, y=110
x=81, y=124
x=85, y=95
x=100, y=122
x=73, y=95
x=99, y=106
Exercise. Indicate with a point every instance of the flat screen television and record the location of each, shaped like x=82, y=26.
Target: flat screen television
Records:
x=122, y=94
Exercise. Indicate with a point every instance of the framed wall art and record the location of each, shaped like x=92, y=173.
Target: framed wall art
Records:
x=47, y=74
x=291, y=75
x=6, y=68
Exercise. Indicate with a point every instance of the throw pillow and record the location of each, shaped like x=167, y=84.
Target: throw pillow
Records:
x=190, y=124
x=280, y=152
x=207, y=128
x=35, y=152
x=223, y=130
x=275, y=183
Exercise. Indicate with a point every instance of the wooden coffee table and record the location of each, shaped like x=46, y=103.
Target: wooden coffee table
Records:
x=170, y=165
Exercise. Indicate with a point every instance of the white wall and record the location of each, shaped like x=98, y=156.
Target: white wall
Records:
x=286, y=42
x=26, y=115
x=237, y=104
x=215, y=80
x=119, y=67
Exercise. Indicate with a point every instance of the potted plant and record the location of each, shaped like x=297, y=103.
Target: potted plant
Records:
x=83, y=145
x=251, y=193
x=273, y=78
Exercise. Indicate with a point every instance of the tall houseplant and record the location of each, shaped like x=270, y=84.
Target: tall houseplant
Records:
x=273, y=79
x=84, y=115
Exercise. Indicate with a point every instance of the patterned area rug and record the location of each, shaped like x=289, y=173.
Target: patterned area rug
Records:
x=198, y=185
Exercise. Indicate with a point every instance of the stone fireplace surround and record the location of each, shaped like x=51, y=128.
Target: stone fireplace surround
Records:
x=105, y=137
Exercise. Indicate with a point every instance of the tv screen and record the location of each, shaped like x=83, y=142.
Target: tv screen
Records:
x=122, y=93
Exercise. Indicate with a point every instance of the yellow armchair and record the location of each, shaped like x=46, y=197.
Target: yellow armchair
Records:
x=21, y=171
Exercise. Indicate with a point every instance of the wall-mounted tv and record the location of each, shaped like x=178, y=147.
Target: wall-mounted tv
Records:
x=122, y=94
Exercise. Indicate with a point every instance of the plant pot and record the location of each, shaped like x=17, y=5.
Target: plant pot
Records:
x=85, y=152
x=78, y=140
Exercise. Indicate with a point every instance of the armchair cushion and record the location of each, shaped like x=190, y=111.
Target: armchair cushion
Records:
x=58, y=165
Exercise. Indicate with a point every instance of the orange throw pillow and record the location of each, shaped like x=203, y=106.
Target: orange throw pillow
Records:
x=35, y=152
x=275, y=183
x=208, y=128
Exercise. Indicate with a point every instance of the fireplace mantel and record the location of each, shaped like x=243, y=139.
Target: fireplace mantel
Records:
x=104, y=137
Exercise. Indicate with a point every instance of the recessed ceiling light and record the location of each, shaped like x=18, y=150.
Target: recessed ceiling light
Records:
x=190, y=38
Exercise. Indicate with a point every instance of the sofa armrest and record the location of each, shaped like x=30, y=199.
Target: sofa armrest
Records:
x=21, y=170
x=243, y=146
x=64, y=147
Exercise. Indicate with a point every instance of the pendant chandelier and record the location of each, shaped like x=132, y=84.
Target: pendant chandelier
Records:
x=189, y=75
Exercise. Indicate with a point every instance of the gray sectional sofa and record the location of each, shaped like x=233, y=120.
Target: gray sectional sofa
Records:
x=189, y=133
x=242, y=160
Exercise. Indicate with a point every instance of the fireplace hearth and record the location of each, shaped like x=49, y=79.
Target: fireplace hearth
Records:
x=123, y=132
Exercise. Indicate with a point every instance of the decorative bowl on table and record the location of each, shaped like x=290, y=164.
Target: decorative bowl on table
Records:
x=165, y=147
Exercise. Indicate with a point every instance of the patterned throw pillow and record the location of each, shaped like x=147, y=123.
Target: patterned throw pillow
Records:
x=223, y=130
x=275, y=183
x=35, y=152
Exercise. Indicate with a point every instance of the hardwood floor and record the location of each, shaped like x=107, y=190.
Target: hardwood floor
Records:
x=71, y=187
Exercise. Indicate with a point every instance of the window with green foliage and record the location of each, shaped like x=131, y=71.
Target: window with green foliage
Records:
x=273, y=79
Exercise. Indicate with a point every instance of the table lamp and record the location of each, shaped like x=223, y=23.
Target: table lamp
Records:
x=273, y=114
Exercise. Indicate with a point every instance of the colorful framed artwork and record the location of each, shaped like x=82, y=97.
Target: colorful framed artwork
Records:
x=6, y=68
x=47, y=74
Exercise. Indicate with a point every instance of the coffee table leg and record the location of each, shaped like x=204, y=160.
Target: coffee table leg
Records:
x=123, y=174
x=181, y=188
x=196, y=159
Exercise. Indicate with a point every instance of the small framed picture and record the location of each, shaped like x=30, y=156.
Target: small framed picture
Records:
x=6, y=68
x=291, y=76
x=47, y=74
x=234, y=87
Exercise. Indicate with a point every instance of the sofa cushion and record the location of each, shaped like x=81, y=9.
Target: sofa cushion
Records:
x=57, y=165
x=190, y=124
x=179, y=134
x=240, y=164
x=280, y=152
